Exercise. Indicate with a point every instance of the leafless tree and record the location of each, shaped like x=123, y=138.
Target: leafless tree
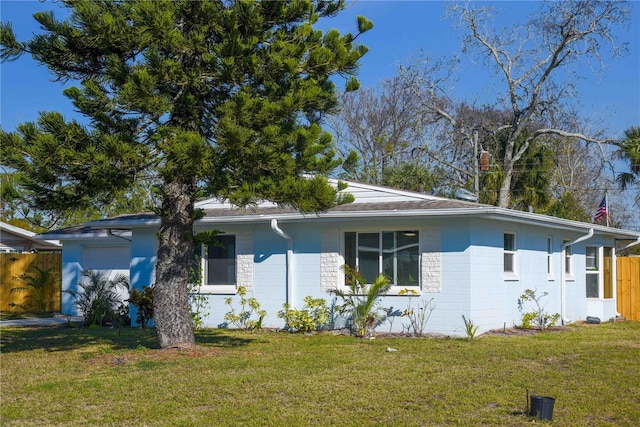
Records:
x=534, y=63
x=381, y=125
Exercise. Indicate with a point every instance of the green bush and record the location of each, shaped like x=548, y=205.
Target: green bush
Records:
x=360, y=301
x=249, y=307
x=538, y=318
x=99, y=299
x=143, y=301
x=313, y=316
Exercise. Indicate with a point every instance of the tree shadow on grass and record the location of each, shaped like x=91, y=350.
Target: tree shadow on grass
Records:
x=221, y=338
x=56, y=338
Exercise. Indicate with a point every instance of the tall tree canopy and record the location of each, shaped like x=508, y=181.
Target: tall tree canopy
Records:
x=217, y=98
x=630, y=151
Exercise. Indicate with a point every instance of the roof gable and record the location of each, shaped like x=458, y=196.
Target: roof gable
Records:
x=362, y=193
x=12, y=237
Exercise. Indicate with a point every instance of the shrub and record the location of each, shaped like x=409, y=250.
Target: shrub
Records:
x=198, y=303
x=248, y=308
x=538, y=318
x=360, y=301
x=99, y=299
x=313, y=316
x=418, y=316
x=470, y=328
x=143, y=301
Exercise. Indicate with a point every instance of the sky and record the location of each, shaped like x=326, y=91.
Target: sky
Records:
x=610, y=98
x=401, y=30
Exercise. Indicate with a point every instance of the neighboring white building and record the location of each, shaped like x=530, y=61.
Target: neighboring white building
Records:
x=473, y=260
x=16, y=239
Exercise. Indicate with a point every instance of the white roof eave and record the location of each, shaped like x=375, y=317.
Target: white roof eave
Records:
x=484, y=212
x=490, y=212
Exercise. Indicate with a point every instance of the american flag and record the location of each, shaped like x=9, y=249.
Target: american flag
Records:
x=602, y=210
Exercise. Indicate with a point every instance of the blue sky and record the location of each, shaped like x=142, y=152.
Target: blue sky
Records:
x=611, y=99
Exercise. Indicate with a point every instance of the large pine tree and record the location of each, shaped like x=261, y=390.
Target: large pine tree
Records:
x=217, y=98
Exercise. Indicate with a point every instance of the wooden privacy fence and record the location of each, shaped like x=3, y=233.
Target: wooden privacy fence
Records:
x=628, y=295
x=13, y=265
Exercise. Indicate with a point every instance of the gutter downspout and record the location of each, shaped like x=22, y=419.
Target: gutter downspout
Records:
x=563, y=273
x=629, y=245
x=279, y=232
x=110, y=233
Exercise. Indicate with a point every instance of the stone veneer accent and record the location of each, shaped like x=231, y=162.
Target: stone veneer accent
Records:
x=431, y=264
x=330, y=271
x=244, y=260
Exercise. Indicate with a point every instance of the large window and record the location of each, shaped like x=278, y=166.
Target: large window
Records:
x=393, y=253
x=599, y=271
x=509, y=253
x=593, y=274
x=220, y=261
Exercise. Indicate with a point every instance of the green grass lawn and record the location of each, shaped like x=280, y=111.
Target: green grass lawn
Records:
x=111, y=377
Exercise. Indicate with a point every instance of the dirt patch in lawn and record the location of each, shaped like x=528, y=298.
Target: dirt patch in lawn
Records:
x=158, y=356
x=519, y=332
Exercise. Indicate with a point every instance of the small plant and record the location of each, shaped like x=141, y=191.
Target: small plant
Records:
x=198, y=304
x=391, y=315
x=248, y=308
x=361, y=300
x=40, y=287
x=143, y=301
x=537, y=318
x=313, y=316
x=99, y=299
x=470, y=328
x=418, y=316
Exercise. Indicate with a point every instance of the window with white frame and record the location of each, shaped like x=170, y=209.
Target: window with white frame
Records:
x=393, y=253
x=593, y=273
x=509, y=252
x=219, y=261
x=568, y=259
x=549, y=256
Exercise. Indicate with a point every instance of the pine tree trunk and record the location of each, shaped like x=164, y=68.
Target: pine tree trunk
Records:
x=172, y=316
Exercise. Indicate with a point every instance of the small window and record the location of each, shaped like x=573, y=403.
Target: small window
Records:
x=220, y=264
x=593, y=273
x=549, y=255
x=592, y=286
x=568, y=259
x=592, y=258
x=509, y=253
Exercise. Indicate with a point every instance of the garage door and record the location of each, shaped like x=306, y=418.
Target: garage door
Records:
x=111, y=260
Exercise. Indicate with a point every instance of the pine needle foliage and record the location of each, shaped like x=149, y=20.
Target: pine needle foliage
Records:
x=200, y=98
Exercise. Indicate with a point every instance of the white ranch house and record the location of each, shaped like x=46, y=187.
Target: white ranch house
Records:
x=473, y=260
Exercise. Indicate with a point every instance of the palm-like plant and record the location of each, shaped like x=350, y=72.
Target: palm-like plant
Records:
x=361, y=300
x=40, y=287
x=630, y=150
x=99, y=298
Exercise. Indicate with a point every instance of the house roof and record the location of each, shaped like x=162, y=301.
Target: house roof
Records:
x=371, y=201
x=12, y=237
